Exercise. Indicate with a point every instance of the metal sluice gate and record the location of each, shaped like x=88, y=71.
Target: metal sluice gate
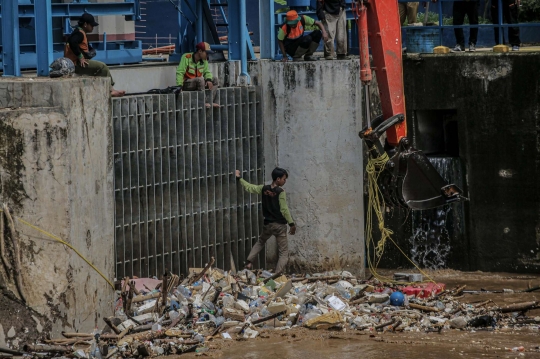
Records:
x=177, y=202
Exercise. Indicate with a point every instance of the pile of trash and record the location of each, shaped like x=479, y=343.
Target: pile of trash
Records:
x=169, y=316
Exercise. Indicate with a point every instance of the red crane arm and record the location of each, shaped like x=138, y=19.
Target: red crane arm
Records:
x=378, y=20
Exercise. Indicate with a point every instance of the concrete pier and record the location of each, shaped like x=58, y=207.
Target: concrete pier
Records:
x=56, y=174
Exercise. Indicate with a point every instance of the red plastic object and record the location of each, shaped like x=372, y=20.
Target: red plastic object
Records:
x=424, y=290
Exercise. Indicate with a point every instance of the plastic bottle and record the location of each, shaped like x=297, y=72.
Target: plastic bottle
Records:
x=209, y=305
x=173, y=314
x=184, y=291
x=255, y=304
x=266, y=274
x=199, y=338
x=343, y=292
x=94, y=350
x=251, y=276
x=219, y=321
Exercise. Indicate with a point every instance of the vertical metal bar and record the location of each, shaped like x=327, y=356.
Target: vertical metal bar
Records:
x=224, y=172
x=237, y=39
x=155, y=108
x=171, y=179
x=130, y=187
x=10, y=38
x=260, y=156
x=500, y=18
x=122, y=185
x=199, y=112
x=138, y=156
x=267, y=29
x=200, y=20
x=239, y=156
x=160, y=239
x=255, y=166
x=440, y=25
x=188, y=146
x=191, y=209
x=178, y=134
x=232, y=221
x=203, y=163
x=244, y=116
x=146, y=105
x=44, y=40
x=116, y=150
x=184, y=188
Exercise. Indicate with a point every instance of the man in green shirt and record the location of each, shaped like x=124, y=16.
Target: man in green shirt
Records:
x=292, y=40
x=276, y=216
x=193, y=73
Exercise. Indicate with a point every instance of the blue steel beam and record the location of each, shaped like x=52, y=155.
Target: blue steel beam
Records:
x=129, y=8
x=267, y=28
x=44, y=38
x=200, y=21
x=238, y=38
x=10, y=38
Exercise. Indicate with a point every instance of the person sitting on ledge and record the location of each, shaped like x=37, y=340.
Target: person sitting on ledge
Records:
x=293, y=42
x=193, y=73
x=80, y=52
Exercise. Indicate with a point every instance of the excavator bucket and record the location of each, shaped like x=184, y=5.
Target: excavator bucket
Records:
x=408, y=179
x=423, y=187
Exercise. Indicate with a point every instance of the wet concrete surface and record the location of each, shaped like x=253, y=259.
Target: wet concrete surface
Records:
x=303, y=343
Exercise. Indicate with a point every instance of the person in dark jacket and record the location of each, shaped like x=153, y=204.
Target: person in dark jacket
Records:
x=510, y=13
x=80, y=52
x=276, y=216
x=333, y=16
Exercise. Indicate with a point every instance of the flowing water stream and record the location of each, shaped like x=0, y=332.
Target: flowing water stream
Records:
x=435, y=230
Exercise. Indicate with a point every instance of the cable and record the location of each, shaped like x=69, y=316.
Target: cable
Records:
x=374, y=168
x=64, y=243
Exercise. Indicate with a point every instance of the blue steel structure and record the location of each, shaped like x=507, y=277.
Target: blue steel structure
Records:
x=196, y=25
x=270, y=22
x=42, y=52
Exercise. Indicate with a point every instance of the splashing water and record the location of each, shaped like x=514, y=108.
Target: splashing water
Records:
x=434, y=229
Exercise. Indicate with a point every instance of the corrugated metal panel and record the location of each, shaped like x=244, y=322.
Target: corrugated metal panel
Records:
x=177, y=201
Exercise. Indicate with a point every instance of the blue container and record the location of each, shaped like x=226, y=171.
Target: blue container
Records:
x=422, y=40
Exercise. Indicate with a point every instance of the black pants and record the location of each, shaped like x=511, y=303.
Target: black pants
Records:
x=510, y=16
x=462, y=8
x=303, y=41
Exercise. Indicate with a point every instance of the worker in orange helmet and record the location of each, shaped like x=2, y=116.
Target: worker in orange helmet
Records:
x=292, y=40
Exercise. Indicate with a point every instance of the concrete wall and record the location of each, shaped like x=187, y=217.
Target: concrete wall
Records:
x=56, y=173
x=312, y=118
x=495, y=99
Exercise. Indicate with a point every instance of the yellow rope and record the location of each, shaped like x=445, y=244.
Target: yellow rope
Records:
x=376, y=205
x=50, y=235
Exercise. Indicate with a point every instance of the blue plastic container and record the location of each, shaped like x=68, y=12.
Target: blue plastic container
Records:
x=422, y=40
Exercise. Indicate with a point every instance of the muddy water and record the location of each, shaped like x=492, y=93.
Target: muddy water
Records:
x=452, y=344
x=302, y=343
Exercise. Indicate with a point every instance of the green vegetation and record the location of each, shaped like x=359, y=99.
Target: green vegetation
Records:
x=529, y=11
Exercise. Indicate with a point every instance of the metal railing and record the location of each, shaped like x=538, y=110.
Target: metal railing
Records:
x=500, y=25
x=270, y=23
